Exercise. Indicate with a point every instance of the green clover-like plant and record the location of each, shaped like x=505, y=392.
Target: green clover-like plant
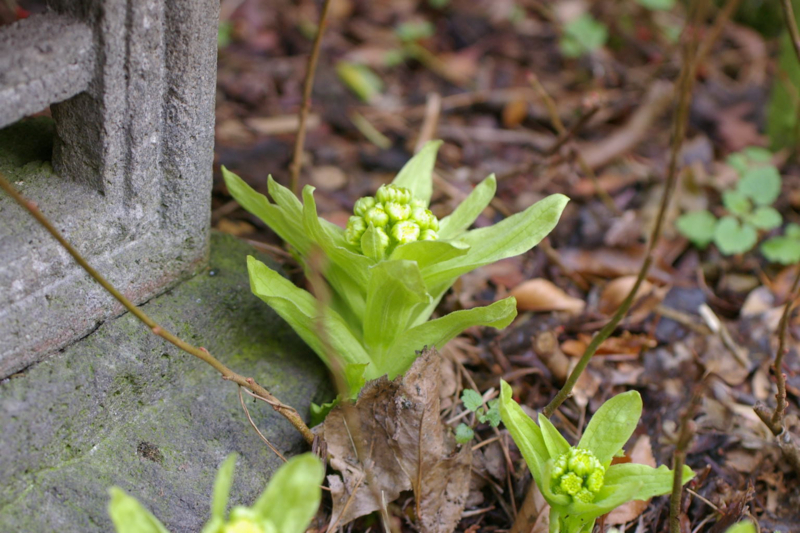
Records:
x=749, y=207
x=287, y=505
x=579, y=482
x=390, y=268
x=485, y=414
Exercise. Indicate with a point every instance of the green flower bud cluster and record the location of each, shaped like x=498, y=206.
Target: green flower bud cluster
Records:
x=398, y=218
x=579, y=474
x=244, y=520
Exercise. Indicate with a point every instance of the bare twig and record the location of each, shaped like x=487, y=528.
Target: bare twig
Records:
x=308, y=85
x=679, y=131
x=201, y=353
x=687, y=430
x=433, y=108
x=791, y=25
x=250, y=419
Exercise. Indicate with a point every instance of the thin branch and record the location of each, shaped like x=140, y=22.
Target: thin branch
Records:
x=791, y=24
x=774, y=420
x=201, y=353
x=687, y=430
x=308, y=85
x=679, y=131
x=250, y=419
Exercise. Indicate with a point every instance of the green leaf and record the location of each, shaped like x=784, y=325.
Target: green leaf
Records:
x=739, y=162
x=292, y=497
x=372, y=245
x=652, y=481
x=450, y=227
x=783, y=250
x=609, y=498
x=130, y=516
x=395, y=289
x=612, y=425
x=526, y=434
x=657, y=5
x=745, y=526
x=697, y=226
x=286, y=222
x=360, y=79
x=301, y=310
x=493, y=413
x=765, y=218
x=438, y=332
x=734, y=238
x=555, y=442
x=415, y=31
x=793, y=231
x=417, y=174
x=331, y=240
x=222, y=487
x=757, y=154
x=515, y=235
x=464, y=433
x=736, y=202
x=761, y=184
x=582, y=35
x=472, y=400
x=320, y=412
x=427, y=253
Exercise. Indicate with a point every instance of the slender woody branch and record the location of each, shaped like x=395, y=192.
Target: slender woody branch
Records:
x=305, y=107
x=201, y=353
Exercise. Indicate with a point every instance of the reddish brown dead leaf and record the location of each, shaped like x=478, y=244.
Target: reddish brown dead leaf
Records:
x=641, y=453
x=626, y=344
x=542, y=295
x=617, y=290
x=406, y=447
x=609, y=262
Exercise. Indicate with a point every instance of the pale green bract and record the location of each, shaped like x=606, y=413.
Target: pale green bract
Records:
x=386, y=282
x=579, y=482
x=287, y=505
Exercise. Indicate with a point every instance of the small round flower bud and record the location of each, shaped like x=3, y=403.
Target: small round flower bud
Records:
x=424, y=218
x=428, y=235
x=243, y=520
x=405, y=232
x=355, y=229
x=393, y=193
x=577, y=473
x=376, y=216
x=397, y=212
x=363, y=205
x=416, y=202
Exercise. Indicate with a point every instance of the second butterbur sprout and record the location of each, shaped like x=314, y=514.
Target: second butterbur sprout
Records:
x=392, y=217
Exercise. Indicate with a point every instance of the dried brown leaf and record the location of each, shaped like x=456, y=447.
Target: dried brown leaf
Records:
x=407, y=447
x=542, y=295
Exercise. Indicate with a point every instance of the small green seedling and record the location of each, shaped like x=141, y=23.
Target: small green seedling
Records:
x=579, y=482
x=389, y=269
x=287, y=505
x=583, y=35
x=749, y=206
x=488, y=413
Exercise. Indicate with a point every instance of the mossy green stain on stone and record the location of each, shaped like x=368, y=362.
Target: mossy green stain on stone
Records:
x=60, y=463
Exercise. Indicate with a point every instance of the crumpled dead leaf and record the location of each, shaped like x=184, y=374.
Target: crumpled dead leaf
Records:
x=542, y=295
x=406, y=447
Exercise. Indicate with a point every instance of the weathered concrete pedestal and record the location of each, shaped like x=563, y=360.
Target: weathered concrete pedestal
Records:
x=123, y=407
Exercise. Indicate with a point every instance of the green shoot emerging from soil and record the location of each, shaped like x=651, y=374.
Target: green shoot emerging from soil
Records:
x=579, y=482
x=389, y=269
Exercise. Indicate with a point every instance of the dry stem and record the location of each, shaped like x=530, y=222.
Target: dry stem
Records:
x=791, y=24
x=308, y=85
x=201, y=353
x=687, y=430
